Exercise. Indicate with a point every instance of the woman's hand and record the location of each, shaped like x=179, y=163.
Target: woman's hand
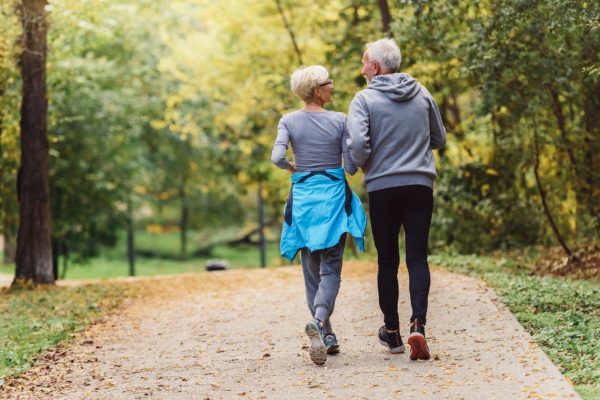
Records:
x=292, y=167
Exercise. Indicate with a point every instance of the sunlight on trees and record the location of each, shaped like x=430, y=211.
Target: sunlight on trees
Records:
x=172, y=107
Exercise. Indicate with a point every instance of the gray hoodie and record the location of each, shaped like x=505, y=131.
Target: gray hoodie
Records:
x=393, y=125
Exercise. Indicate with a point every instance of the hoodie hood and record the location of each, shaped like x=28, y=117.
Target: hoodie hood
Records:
x=397, y=87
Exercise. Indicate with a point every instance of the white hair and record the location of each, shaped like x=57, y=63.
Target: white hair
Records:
x=305, y=79
x=386, y=52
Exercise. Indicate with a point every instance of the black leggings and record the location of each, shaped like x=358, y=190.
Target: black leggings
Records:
x=409, y=207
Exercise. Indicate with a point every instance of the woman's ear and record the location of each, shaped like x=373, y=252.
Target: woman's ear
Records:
x=317, y=92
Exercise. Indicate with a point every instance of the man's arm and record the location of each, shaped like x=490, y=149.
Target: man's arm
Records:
x=348, y=163
x=436, y=126
x=358, y=140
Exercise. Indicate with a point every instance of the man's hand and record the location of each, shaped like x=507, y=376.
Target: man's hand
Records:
x=292, y=167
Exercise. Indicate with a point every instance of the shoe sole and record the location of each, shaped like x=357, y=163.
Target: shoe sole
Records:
x=395, y=350
x=418, y=347
x=317, y=351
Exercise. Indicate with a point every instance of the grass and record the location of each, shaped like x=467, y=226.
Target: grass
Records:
x=32, y=321
x=113, y=263
x=561, y=314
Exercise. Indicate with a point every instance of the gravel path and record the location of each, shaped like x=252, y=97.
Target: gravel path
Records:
x=239, y=334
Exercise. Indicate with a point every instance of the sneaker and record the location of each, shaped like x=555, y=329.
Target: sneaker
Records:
x=331, y=343
x=392, y=340
x=317, y=351
x=416, y=340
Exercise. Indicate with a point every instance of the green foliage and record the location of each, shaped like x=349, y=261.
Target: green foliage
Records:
x=97, y=120
x=174, y=112
x=529, y=61
x=478, y=211
x=10, y=98
x=32, y=321
x=562, y=315
x=500, y=71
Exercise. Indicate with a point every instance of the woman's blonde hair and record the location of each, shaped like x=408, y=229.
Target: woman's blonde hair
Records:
x=305, y=79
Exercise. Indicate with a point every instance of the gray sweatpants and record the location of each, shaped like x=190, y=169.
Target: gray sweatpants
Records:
x=322, y=270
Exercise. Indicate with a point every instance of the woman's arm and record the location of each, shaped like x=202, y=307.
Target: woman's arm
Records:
x=280, y=148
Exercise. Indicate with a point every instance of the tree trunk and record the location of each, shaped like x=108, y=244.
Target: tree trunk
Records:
x=55, y=259
x=9, y=229
x=355, y=6
x=34, y=249
x=130, y=239
x=542, y=191
x=57, y=240
x=183, y=223
x=64, y=249
x=562, y=128
x=10, y=225
x=261, y=226
x=384, y=9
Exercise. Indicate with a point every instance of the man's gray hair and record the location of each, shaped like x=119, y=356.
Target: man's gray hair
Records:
x=386, y=52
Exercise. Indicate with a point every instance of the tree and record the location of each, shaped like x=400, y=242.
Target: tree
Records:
x=534, y=63
x=34, y=249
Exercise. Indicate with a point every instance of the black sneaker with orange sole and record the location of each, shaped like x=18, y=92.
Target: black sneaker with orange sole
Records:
x=416, y=340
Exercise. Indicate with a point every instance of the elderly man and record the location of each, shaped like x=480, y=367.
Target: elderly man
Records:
x=393, y=126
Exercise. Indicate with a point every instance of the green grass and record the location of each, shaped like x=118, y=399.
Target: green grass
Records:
x=112, y=264
x=561, y=314
x=32, y=321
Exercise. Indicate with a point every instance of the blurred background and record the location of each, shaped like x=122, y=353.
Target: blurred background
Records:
x=162, y=115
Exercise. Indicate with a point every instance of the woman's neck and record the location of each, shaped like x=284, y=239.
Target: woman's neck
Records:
x=314, y=106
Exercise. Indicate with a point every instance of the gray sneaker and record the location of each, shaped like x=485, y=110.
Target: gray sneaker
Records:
x=317, y=351
x=331, y=343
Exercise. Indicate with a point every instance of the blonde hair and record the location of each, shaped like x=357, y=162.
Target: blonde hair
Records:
x=305, y=79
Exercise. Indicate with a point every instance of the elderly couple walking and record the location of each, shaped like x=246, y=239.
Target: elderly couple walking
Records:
x=390, y=131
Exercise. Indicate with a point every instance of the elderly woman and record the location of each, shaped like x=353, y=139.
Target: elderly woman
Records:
x=321, y=209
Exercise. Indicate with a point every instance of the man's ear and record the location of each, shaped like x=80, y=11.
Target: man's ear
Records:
x=377, y=68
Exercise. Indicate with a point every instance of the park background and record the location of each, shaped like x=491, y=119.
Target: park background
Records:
x=161, y=117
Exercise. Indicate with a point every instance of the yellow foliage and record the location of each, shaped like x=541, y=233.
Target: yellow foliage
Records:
x=485, y=188
x=156, y=124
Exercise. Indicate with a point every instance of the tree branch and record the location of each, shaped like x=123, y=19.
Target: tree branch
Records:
x=384, y=8
x=290, y=30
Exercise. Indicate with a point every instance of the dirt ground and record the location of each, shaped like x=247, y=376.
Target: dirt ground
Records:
x=239, y=334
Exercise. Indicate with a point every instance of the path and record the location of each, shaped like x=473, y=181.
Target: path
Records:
x=239, y=334
x=5, y=280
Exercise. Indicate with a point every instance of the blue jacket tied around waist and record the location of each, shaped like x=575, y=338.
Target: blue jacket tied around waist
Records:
x=320, y=208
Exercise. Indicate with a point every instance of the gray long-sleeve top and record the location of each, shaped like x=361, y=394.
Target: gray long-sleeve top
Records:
x=318, y=141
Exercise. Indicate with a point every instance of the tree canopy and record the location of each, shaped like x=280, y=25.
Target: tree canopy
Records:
x=171, y=107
